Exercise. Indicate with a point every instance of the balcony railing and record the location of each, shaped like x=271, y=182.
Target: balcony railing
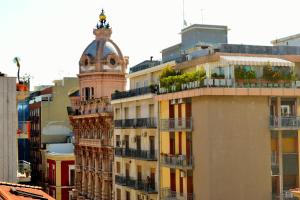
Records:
x=177, y=124
x=135, y=153
x=142, y=185
x=291, y=122
x=177, y=161
x=136, y=123
x=168, y=194
x=132, y=93
x=230, y=83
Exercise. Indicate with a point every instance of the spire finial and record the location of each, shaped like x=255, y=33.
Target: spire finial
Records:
x=102, y=20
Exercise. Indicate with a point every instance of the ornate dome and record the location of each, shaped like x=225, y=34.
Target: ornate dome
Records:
x=102, y=54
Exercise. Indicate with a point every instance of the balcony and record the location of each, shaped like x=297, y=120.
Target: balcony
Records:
x=136, y=123
x=95, y=142
x=289, y=123
x=142, y=185
x=136, y=154
x=177, y=124
x=168, y=194
x=133, y=93
x=176, y=161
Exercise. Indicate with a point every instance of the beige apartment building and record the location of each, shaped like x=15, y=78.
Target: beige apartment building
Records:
x=136, y=140
x=8, y=129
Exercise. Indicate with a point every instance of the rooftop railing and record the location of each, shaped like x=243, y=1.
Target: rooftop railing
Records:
x=143, y=185
x=177, y=124
x=168, y=194
x=136, y=123
x=136, y=153
x=229, y=83
x=290, y=122
x=133, y=93
x=177, y=161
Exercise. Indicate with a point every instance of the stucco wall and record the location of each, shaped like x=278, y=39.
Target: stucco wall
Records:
x=8, y=129
x=231, y=148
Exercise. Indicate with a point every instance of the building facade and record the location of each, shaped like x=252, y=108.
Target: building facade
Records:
x=8, y=130
x=49, y=122
x=234, y=120
x=102, y=69
x=23, y=133
x=60, y=173
x=136, y=171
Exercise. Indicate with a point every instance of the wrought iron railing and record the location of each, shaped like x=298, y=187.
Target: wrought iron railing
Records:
x=142, y=185
x=136, y=153
x=133, y=93
x=291, y=122
x=176, y=161
x=168, y=194
x=136, y=123
x=177, y=124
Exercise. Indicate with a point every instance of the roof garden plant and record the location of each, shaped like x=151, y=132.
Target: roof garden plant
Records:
x=169, y=77
x=278, y=73
x=242, y=73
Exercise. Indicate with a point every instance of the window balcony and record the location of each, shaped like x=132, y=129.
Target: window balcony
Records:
x=168, y=194
x=177, y=124
x=133, y=93
x=177, y=161
x=142, y=185
x=136, y=154
x=289, y=123
x=136, y=123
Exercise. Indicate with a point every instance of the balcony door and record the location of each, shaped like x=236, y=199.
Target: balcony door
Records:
x=152, y=145
x=139, y=173
x=126, y=141
x=127, y=170
x=138, y=143
x=172, y=180
x=172, y=143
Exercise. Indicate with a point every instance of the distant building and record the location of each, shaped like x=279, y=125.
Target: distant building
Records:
x=195, y=37
x=49, y=122
x=12, y=191
x=102, y=69
x=23, y=133
x=8, y=129
x=60, y=173
x=293, y=40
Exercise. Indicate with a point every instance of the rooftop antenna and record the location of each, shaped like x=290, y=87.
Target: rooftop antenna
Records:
x=183, y=16
x=202, y=14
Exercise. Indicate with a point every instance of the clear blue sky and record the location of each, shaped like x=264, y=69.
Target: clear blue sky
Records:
x=50, y=35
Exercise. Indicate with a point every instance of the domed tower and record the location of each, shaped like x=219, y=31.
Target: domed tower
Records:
x=102, y=66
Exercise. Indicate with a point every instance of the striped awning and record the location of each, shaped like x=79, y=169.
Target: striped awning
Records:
x=254, y=61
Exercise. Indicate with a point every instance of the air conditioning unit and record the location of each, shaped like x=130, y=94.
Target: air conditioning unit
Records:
x=173, y=101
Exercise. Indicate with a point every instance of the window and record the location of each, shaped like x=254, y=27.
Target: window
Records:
x=127, y=195
x=118, y=141
x=151, y=110
x=145, y=83
x=117, y=113
x=126, y=112
x=137, y=84
x=138, y=111
x=71, y=175
x=118, y=167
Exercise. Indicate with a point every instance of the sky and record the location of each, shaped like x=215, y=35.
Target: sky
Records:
x=49, y=36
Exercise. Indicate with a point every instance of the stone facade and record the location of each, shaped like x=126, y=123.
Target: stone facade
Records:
x=101, y=71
